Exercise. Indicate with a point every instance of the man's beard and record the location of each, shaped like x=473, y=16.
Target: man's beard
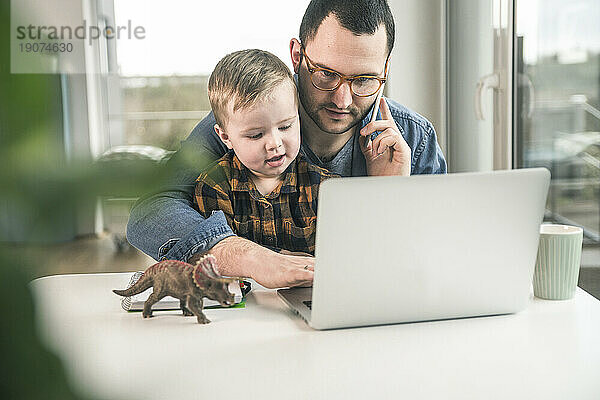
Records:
x=312, y=109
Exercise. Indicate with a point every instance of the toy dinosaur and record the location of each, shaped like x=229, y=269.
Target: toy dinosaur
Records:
x=186, y=282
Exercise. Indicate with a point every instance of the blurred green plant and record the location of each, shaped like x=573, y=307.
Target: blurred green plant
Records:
x=37, y=180
x=28, y=370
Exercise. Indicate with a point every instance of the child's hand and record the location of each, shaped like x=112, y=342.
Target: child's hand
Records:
x=388, y=154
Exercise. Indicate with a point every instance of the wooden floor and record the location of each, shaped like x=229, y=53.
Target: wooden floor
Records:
x=83, y=255
x=100, y=254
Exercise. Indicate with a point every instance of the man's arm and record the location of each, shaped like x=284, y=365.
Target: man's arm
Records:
x=420, y=135
x=388, y=154
x=241, y=257
x=429, y=158
x=164, y=224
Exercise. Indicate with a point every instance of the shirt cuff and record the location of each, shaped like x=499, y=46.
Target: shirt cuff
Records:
x=208, y=233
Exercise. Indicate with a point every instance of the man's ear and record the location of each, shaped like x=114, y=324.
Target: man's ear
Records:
x=295, y=54
x=223, y=136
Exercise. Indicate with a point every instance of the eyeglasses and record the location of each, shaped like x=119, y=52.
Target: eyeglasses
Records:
x=329, y=80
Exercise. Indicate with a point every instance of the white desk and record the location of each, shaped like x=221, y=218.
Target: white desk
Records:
x=549, y=351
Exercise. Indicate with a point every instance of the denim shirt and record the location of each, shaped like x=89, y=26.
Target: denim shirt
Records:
x=164, y=224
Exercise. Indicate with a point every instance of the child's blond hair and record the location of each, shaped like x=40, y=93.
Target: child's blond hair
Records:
x=245, y=77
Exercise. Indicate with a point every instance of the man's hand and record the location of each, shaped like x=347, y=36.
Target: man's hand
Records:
x=388, y=154
x=294, y=253
x=286, y=270
x=237, y=256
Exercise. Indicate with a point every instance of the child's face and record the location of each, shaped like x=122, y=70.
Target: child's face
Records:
x=265, y=136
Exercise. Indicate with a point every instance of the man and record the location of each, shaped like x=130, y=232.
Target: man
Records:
x=344, y=48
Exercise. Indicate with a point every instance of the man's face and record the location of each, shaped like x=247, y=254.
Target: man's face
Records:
x=336, y=48
x=266, y=135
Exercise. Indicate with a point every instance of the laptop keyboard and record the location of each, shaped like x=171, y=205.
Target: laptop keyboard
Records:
x=308, y=303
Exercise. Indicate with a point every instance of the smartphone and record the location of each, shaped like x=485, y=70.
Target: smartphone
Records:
x=376, y=111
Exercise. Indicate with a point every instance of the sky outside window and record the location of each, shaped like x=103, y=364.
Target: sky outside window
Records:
x=188, y=37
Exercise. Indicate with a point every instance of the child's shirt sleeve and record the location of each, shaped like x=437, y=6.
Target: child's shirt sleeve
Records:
x=210, y=197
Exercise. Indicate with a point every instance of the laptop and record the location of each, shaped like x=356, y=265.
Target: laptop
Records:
x=420, y=248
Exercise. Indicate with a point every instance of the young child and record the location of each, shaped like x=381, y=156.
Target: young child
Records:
x=267, y=191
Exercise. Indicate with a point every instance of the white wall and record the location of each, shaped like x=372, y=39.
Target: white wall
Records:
x=418, y=65
x=470, y=57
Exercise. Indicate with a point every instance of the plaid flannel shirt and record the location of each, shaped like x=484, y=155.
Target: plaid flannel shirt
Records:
x=284, y=219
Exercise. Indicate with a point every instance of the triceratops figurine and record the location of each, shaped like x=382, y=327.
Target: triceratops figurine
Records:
x=186, y=282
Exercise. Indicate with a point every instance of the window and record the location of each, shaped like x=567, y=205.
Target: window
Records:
x=557, y=105
x=157, y=86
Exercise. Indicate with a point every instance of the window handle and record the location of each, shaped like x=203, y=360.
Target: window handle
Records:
x=491, y=81
x=524, y=81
